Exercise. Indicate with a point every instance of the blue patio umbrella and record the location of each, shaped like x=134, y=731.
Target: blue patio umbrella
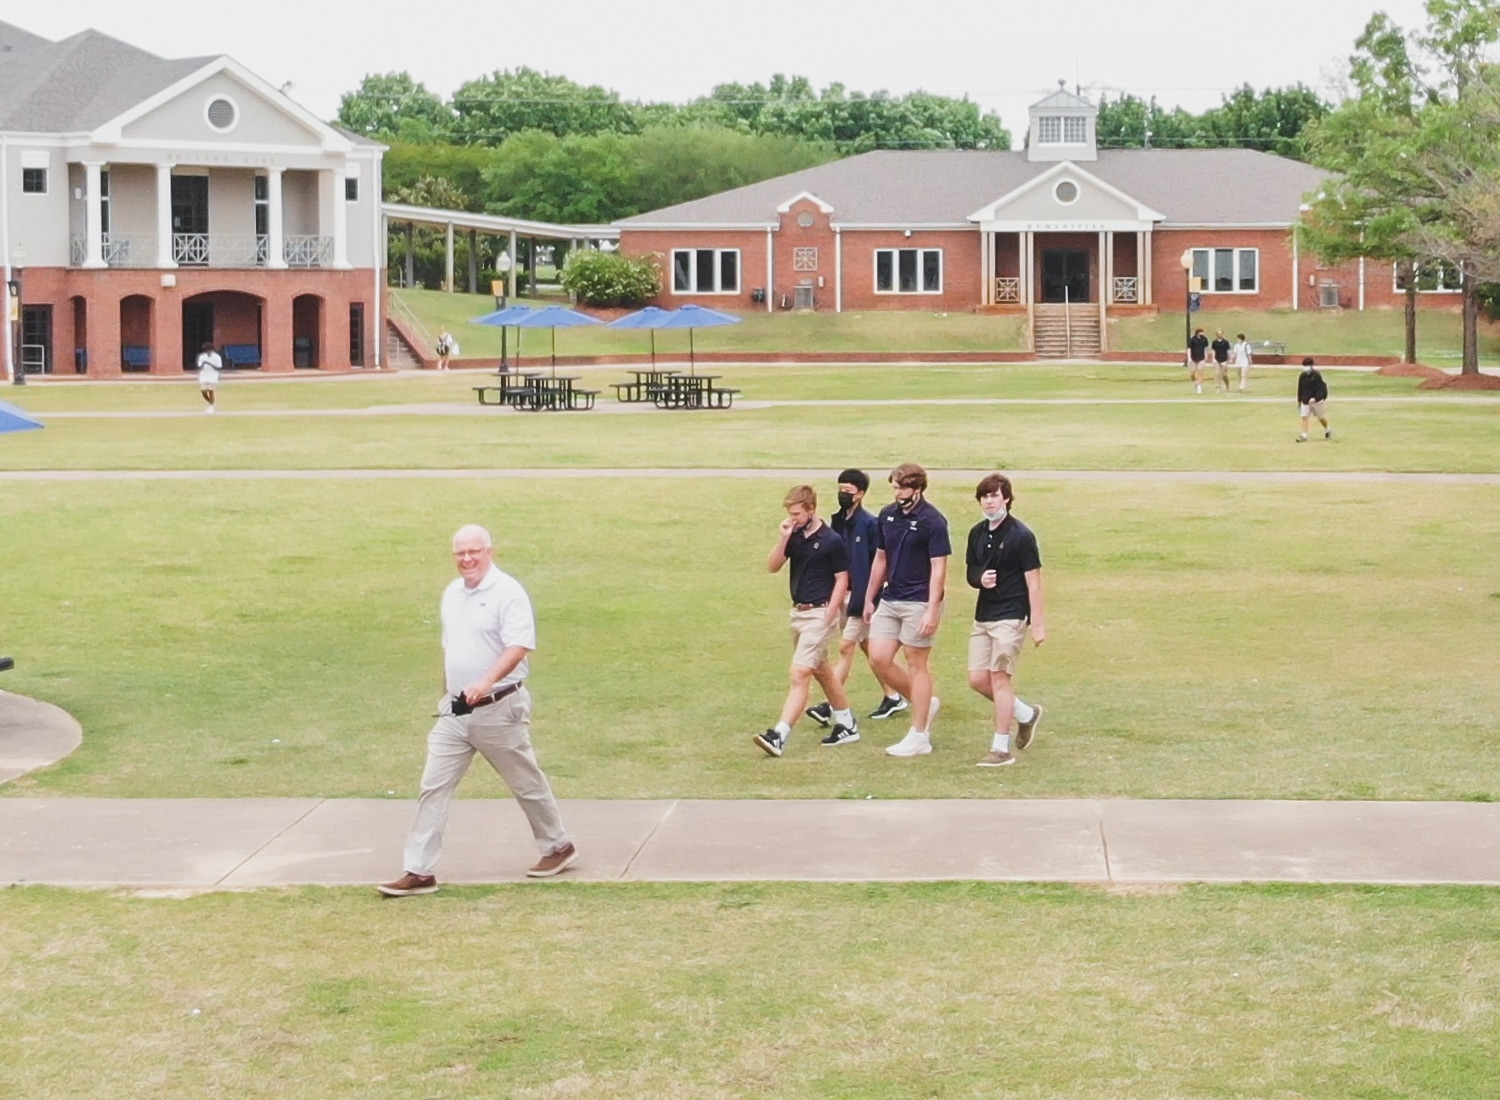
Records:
x=691, y=317
x=553, y=317
x=651, y=318
x=504, y=319
x=13, y=419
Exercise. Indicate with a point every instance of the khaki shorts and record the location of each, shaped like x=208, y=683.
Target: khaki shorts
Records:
x=900, y=619
x=995, y=647
x=811, y=633
x=853, y=628
x=1312, y=408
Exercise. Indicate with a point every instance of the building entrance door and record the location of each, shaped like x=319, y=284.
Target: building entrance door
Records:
x=190, y=219
x=1065, y=275
x=197, y=330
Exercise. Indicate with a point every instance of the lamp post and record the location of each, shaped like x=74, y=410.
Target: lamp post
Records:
x=503, y=264
x=18, y=366
x=1187, y=302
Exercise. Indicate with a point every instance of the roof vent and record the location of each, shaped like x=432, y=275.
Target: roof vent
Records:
x=222, y=114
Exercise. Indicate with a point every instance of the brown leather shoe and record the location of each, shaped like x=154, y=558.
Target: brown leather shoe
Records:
x=555, y=864
x=409, y=884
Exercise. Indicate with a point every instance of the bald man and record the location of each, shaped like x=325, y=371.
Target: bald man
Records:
x=489, y=634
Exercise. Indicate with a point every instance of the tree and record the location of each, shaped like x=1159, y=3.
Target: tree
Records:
x=393, y=107
x=492, y=108
x=1273, y=121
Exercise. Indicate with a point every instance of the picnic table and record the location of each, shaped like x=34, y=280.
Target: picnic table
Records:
x=692, y=391
x=536, y=392
x=646, y=383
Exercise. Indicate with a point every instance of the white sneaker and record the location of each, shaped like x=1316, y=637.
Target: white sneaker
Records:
x=209, y=409
x=913, y=744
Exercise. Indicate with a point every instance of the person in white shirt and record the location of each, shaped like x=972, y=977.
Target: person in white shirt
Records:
x=209, y=366
x=1239, y=355
x=489, y=634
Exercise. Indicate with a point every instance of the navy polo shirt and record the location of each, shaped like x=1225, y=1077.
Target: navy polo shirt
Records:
x=910, y=541
x=1011, y=551
x=816, y=559
x=858, y=533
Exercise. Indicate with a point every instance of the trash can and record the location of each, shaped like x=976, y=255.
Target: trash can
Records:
x=302, y=351
x=81, y=360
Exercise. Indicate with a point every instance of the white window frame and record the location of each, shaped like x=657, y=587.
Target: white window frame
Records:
x=46, y=180
x=1044, y=123
x=1078, y=123
x=718, y=271
x=1442, y=287
x=895, y=254
x=1208, y=265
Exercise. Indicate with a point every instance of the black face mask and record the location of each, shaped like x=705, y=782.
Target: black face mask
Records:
x=846, y=501
x=909, y=504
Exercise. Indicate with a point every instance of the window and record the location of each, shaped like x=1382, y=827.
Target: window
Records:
x=1066, y=192
x=1433, y=277
x=34, y=181
x=1227, y=270
x=1049, y=130
x=908, y=271
x=262, y=219
x=222, y=114
x=804, y=259
x=356, y=334
x=104, y=201
x=705, y=271
x=1075, y=131
x=351, y=189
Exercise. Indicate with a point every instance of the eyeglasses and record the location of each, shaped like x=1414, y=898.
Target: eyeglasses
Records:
x=483, y=550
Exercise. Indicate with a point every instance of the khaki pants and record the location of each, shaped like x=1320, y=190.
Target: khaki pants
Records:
x=501, y=733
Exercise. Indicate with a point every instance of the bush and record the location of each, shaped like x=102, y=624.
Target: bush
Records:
x=609, y=279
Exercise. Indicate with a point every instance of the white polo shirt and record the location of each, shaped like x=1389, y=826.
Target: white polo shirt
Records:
x=480, y=623
x=209, y=365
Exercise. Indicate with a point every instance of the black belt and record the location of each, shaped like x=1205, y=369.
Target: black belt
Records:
x=809, y=606
x=497, y=695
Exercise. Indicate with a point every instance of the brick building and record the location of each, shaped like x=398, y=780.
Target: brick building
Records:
x=1063, y=232
x=151, y=205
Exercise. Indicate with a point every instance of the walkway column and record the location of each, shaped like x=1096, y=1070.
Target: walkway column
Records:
x=340, y=222
x=838, y=269
x=411, y=263
x=473, y=261
x=93, y=227
x=511, y=246
x=275, y=221
x=1150, y=269
x=164, y=216
x=448, y=259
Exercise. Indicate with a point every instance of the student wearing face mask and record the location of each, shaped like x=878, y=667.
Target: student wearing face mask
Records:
x=907, y=578
x=1005, y=565
x=857, y=528
x=819, y=584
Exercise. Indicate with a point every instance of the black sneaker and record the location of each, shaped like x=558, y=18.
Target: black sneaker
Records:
x=822, y=714
x=889, y=706
x=771, y=743
x=842, y=735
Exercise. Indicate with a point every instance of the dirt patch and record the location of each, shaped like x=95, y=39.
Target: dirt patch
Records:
x=1410, y=370
x=1462, y=382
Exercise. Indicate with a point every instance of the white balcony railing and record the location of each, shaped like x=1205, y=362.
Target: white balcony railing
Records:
x=117, y=249
x=303, y=250
x=1007, y=289
x=1127, y=288
x=205, y=250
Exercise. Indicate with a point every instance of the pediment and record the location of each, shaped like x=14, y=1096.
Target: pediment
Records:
x=1066, y=193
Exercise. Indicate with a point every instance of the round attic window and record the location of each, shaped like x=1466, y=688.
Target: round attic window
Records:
x=222, y=114
x=805, y=219
x=1066, y=192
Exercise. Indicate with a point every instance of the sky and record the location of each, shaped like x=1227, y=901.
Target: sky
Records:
x=1000, y=53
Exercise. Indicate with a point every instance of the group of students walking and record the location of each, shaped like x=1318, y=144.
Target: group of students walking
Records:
x=877, y=583
x=1225, y=355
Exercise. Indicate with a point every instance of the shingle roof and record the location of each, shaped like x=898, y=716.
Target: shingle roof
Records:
x=79, y=83
x=943, y=187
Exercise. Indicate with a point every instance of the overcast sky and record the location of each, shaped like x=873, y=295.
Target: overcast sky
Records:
x=1002, y=54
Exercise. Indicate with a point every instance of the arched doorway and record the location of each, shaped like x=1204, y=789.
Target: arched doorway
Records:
x=307, y=328
x=137, y=332
x=231, y=320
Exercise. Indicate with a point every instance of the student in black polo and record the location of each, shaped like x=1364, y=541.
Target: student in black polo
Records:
x=908, y=576
x=1004, y=564
x=1197, y=352
x=819, y=585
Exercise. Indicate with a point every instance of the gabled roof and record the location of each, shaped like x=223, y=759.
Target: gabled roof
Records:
x=943, y=187
x=1062, y=99
x=79, y=83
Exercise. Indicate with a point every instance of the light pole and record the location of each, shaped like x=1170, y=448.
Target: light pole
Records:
x=18, y=366
x=1187, y=302
x=503, y=264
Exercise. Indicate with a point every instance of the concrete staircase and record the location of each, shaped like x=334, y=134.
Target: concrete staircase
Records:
x=1065, y=332
x=399, y=354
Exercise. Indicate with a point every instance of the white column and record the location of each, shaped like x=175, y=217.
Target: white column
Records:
x=511, y=245
x=275, y=221
x=93, y=226
x=448, y=259
x=1361, y=284
x=1296, y=273
x=1104, y=245
x=1148, y=268
x=838, y=269
x=164, y=216
x=340, y=221
x=770, y=277
x=986, y=271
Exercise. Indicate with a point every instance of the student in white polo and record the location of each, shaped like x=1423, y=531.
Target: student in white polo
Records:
x=209, y=366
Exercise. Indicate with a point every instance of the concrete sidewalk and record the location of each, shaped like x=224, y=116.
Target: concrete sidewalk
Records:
x=241, y=843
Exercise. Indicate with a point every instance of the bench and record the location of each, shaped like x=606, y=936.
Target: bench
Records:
x=496, y=390
x=135, y=357
x=582, y=399
x=629, y=391
x=721, y=397
x=241, y=355
x=1269, y=347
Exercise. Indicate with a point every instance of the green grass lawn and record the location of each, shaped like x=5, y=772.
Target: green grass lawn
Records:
x=1305, y=332
x=872, y=992
x=279, y=638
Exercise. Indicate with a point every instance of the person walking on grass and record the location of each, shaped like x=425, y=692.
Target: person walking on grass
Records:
x=1240, y=356
x=857, y=528
x=1003, y=563
x=819, y=587
x=1197, y=352
x=447, y=347
x=1220, y=348
x=489, y=634
x=907, y=579
x=209, y=366
x=1312, y=392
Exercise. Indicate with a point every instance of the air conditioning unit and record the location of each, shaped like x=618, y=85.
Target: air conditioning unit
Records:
x=802, y=297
